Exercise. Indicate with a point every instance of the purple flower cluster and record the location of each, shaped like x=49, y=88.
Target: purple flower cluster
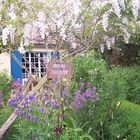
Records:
x=1, y=99
x=82, y=96
x=53, y=104
x=13, y=102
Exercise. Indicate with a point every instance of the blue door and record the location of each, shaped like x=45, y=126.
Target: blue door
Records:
x=16, y=68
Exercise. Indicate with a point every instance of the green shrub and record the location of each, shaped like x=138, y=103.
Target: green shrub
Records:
x=87, y=67
x=133, y=80
x=5, y=85
x=128, y=125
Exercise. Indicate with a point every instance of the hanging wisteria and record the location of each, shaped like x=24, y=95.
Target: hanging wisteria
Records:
x=75, y=22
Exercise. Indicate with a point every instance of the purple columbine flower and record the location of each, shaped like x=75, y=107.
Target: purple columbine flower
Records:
x=31, y=97
x=64, y=92
x=18, y=107
x=44, y=121
x=26, y=106
x=28, y=116
x=20, y=97
x=26, y=99
x=44, y=99
x=29, y=110
x=55, y=105
x=41, y=109
x=33, y=104
x=49, y=103
x=20, y=113
x=12, y=102
x=35, y=118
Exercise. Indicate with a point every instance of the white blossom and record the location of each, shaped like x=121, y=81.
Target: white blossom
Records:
x=122, y=4
x=21, y=49
x=116, y=7
x=8, y=31
x=102, y=48
x=135, y=8
x=105, y=21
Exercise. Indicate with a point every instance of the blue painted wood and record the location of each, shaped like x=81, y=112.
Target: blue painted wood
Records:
x=16, y=70
x=55, y=54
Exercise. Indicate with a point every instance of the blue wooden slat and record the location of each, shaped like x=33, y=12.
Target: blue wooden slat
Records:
x=16, y=70
x=55, y=54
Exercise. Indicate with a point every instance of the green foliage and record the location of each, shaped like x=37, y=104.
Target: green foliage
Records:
x=4, y=113
x=5, y=85
x=133, y=81
x=128, y=125
x=106, y=117
x=88, y=67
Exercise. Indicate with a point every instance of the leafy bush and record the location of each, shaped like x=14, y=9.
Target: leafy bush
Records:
x=128, y=125
x=113, y=87
x=5, y=85
x=87, y=67
x=133, y=81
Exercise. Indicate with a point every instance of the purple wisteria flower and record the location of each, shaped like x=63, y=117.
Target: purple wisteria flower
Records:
x=41, y=109
x=26, y=106
x=35, y=119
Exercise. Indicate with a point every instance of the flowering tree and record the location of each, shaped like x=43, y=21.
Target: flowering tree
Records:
x=77, y=24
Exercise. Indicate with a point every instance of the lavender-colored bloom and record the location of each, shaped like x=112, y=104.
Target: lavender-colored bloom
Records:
x=94, y=88
x=33, y=138
x=44, y=121
x=26, y=106
x=33, y=104
x=79, y=100
x=82, y=86
x=26, y=99
x=55, y=105
x=89, y=94
x=31, y=97
x=49, y=103
x=20, y=113
x=35, y=118
x=29, y=110
x=44, y=99
x=18, y=107
x=20, y=97
x=64, y=92
x=41, y=109
x=28, y=116
x=88, y=83
x=12, y=102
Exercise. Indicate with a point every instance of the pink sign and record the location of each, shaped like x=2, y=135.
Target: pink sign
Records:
x=60, y=70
